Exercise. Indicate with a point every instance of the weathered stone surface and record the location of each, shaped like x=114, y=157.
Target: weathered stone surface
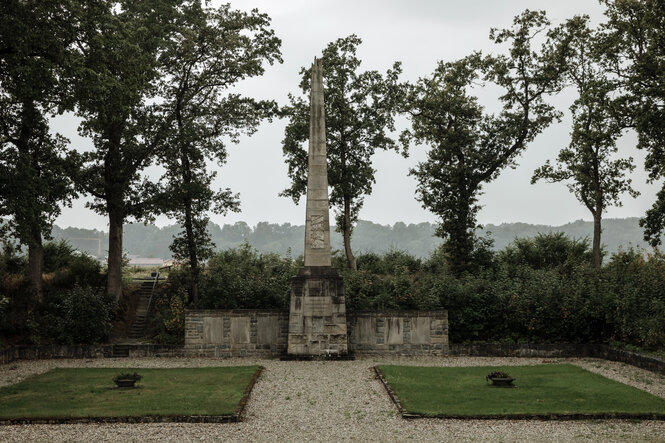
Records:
x=244, y=332
x=240, y=330
x=213, y=329
x=395, y=331
x=334, y=328
x=398, y=332
x=317, y=309
x=365, y=331
x=318, y=306
x=267, y=330
x=420, y=330
x=317, y=312
x=317, y=221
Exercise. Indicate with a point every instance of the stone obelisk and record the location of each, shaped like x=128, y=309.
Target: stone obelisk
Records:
x=317, y=318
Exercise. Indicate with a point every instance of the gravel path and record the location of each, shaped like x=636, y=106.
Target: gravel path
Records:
x=333, y=401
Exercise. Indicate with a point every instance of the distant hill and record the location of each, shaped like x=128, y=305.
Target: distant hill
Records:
x=417, y=239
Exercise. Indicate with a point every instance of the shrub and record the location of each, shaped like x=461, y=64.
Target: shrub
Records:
x=168, y=321
x=70, y=267
x=243, y=278
x=546, y=251
x=78, y=315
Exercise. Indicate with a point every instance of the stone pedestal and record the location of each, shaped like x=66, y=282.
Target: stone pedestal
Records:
x=317, y=318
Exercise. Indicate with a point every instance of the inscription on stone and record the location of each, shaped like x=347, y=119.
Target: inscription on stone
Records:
x=318, y=306
x=317, y=232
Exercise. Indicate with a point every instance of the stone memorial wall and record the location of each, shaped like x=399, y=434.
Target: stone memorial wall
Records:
x=216, y=333
x=399, y=332
x=236, y=333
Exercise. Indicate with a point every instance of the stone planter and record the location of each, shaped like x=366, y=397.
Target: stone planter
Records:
x=126, y=383
x=503, y=382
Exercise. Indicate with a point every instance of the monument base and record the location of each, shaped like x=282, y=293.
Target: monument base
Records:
x=317, y=317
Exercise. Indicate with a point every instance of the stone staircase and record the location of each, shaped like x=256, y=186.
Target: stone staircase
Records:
x=137, y=330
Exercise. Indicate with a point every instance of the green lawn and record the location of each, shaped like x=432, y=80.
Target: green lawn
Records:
x=541, y=390
x=69, y=393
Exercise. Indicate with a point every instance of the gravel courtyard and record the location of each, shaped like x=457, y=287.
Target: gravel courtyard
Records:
x=333, y=401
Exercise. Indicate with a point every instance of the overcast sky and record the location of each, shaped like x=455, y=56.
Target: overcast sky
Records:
x=418, y=33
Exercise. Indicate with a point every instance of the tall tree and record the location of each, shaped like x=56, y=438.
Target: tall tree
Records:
x=115, y=92
x=36, y=167
x=468, y=146
x=211, y=52
x=588, y=164
x=635, y=42
x=359, y=110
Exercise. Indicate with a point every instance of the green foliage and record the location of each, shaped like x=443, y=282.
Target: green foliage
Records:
x=71, y=267
x=240, y=278
x=71, y=279
x=168, y=321
x=77, y=315
x=116, y=86
x=212, y=50
x=11, y=262
x=588, y=164
x=546, y=251
x=244, y=278
x=389, y=281
x=359, y=111
x=37, y=170
x=634, y=37
x=637, y=285
x=469, y=147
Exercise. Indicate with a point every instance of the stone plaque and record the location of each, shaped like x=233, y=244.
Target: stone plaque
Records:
x=317, y=232
x=213, y=330
x=240, y=330
x=317, y=306
x=420, y=330
x=394, y=331
x=364, y=330
x=267, y=330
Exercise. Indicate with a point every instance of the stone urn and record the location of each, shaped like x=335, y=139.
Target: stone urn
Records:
x=126, y=383
x=506, y=382
x=126, y=380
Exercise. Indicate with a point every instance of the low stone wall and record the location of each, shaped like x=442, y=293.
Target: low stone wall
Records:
x=560, y=350
x=153, y=350
x=54, y=351
x=236, y=333
x=214, y=333
x=46, y=352
x=398, y=333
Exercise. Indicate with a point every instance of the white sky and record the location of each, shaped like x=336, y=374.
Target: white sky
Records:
x=418, y=33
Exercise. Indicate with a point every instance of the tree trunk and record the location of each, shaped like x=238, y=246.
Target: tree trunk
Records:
x=114, y=283
x=596, y=237
x=35, y=267
x=350, y=259
x=193, y=258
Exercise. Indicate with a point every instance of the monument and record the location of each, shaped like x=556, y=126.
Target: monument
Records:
x=317, y=316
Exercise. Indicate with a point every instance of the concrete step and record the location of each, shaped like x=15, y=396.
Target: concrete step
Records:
x=120, y=351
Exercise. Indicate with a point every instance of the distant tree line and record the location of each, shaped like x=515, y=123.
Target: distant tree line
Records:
x=417, y=240
x=152, y=84
x=537, y=290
